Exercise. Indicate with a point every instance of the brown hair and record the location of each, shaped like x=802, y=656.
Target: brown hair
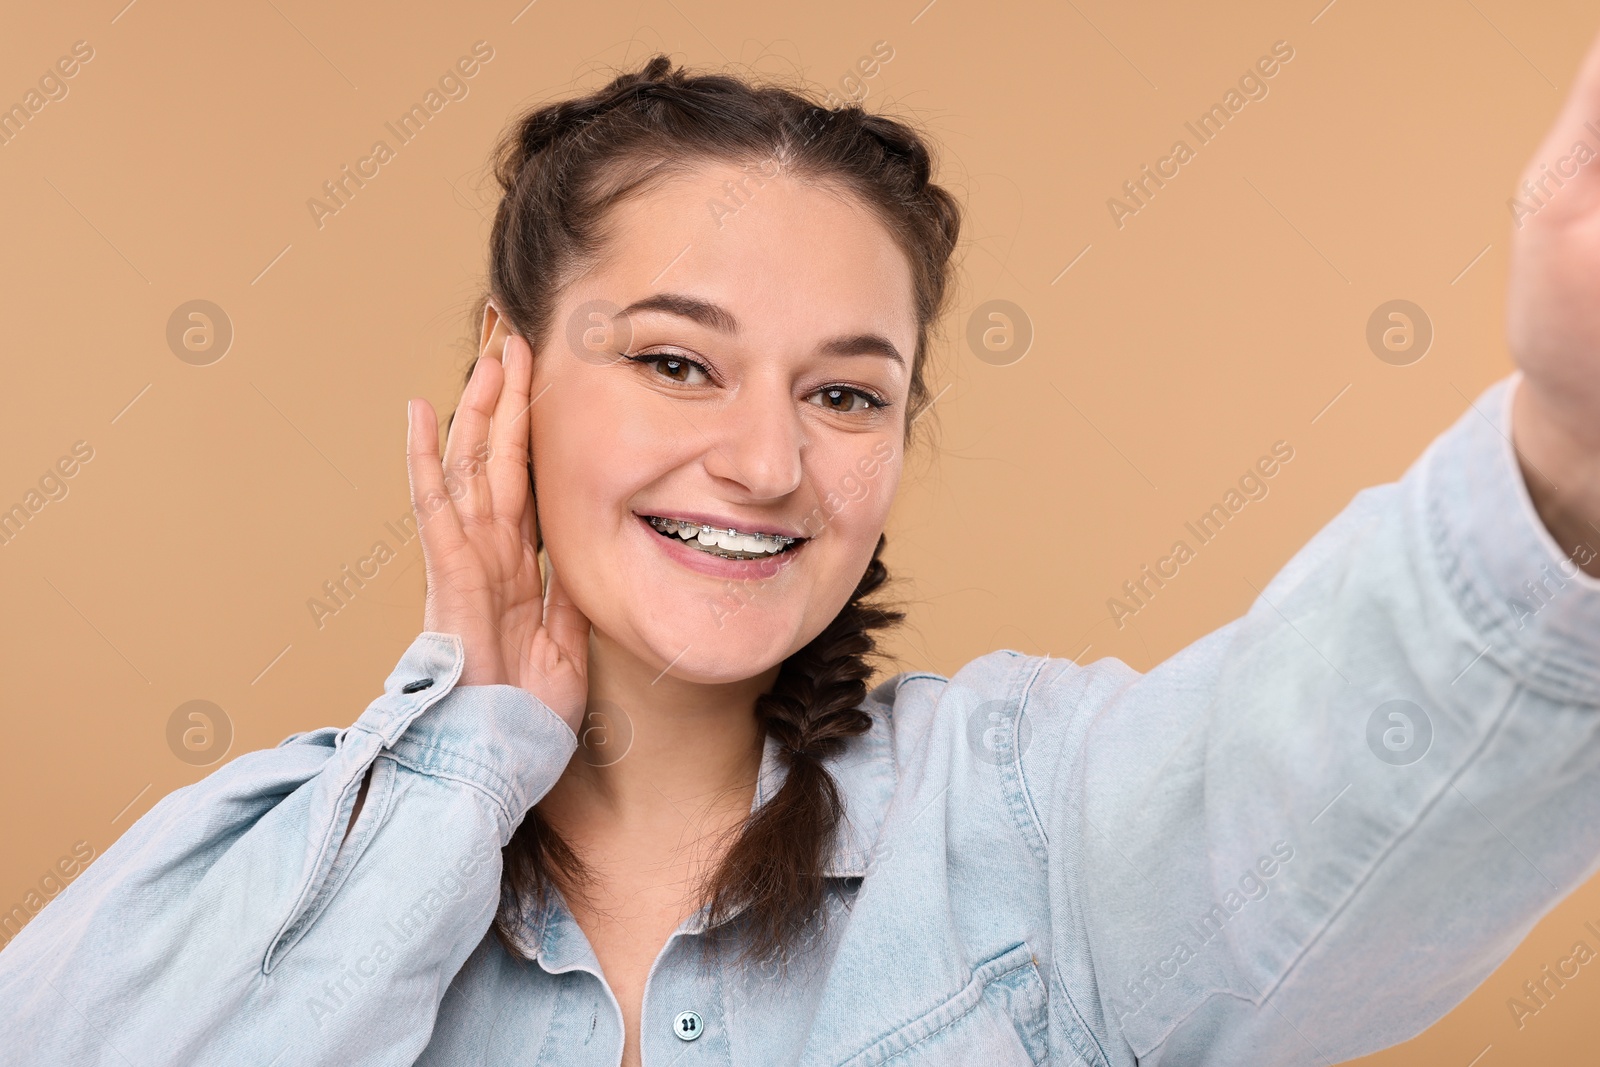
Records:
x=562, y=167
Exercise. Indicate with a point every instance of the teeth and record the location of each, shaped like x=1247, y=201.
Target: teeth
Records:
x=713, y=539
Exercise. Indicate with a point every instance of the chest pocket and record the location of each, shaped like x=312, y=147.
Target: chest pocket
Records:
x=998, y=1019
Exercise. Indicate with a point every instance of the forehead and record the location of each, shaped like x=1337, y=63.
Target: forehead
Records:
x=787, y=257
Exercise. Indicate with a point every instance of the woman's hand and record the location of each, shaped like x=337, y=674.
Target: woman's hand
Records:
x=1553, y=321
x=476, y=515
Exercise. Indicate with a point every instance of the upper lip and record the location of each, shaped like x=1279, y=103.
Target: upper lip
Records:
x=723, y=522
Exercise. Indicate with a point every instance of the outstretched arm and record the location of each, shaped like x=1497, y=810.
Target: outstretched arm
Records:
x=1310, y=834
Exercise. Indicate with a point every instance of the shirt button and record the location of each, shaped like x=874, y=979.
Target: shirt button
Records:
x=417, y=686
x=687, y=1025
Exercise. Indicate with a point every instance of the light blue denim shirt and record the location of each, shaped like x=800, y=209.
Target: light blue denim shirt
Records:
x=1250, y=855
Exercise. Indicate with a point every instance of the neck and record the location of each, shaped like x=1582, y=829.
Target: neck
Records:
x=655, y=750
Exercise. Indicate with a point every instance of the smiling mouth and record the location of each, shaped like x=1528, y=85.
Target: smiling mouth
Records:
x=726, y=542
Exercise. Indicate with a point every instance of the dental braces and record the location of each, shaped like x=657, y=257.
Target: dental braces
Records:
x=661, y=524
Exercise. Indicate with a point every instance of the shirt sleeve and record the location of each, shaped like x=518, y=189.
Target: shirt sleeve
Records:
x=234, y=922
x=1310, y=834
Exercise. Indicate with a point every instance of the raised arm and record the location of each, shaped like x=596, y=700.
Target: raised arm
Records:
x=249, y=916
x=236, y=914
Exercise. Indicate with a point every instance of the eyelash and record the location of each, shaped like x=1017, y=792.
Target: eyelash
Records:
x=874, y=401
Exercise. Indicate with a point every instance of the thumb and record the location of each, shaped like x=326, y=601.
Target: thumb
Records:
x=1564, y=173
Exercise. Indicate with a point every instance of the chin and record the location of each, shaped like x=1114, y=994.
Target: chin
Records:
x=701, y=617
x=724, y=666
x=697, y=632
x=709, y=633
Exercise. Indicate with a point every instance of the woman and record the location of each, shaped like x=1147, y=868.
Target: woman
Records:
x=638, y=806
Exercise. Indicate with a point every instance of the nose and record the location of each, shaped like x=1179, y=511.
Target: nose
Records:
x=755, y=445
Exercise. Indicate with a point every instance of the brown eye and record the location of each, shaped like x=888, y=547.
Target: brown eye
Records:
x=844, y=399
x=674, y=368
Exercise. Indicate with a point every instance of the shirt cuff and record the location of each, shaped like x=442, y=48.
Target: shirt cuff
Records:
x=500, y=738
x=1537, y=611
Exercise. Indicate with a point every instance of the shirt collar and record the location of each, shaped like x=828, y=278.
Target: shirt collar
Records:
x=864, y=772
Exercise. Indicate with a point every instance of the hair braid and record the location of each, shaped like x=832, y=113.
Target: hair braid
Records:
x=813, y=709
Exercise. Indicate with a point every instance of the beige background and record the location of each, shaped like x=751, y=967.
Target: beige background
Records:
x=1224, y=316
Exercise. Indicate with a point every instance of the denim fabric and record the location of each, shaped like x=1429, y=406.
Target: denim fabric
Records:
x=1237, y=858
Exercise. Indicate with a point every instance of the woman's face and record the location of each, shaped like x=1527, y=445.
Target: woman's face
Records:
x=768, y=328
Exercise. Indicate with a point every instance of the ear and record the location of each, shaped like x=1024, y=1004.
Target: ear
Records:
x=495, y=330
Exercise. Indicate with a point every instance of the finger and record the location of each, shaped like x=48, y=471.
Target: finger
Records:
x=529, y=527
x=508, y=433
x=437, y=521
x=1584, y=96
x=1576, y=123
x=566, y=626
x=467, y=444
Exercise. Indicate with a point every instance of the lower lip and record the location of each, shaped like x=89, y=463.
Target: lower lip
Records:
x=718, y=566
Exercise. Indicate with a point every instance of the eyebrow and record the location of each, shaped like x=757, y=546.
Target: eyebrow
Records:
x=863, y=344
x=704, y=312
x=715, y=317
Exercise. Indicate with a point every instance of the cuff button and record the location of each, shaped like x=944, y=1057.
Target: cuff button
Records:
x=417, y=686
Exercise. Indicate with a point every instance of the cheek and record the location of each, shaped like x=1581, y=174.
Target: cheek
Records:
x=864, y=478
x=855, y=486
x=594, y=445
x=577, y=476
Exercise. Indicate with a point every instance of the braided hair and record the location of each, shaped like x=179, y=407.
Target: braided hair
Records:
x=561, y=167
